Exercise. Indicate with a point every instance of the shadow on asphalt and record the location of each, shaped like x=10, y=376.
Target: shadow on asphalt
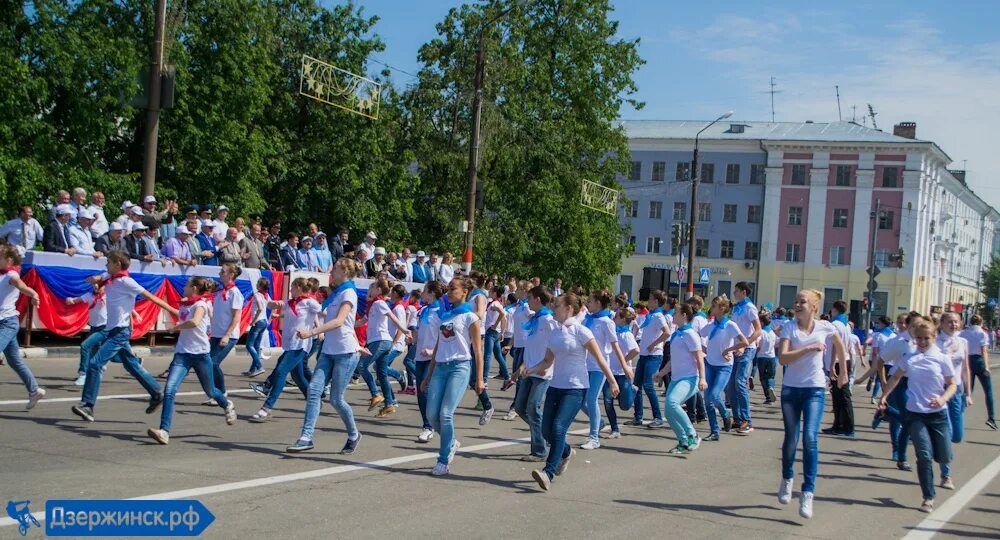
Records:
x=731, y=511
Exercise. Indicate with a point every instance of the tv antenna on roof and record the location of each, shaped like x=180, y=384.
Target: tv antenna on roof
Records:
x=839, y=115
x=773, y=91
x=872, y=114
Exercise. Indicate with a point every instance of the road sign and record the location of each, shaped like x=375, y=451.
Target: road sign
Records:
x=681, y=273
x=872, y=284
x=704, y=275
x=873, y=271
x=992, y=302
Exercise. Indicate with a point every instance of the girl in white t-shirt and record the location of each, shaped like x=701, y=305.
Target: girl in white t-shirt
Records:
x=496, y=320
x=227, y=310
x=803, y=392
x=687, y=376
x=624, y=317
x=930, y=384
x=723, y=340
x=258, y=326
x=567, y=353
x=337, y=359
x=766, y=361
x=458, y=355
x=97, y=313
x=11, y=288
x=410, y=360
x=424, y=339
x=192, y=352
x=955, y=348
x=480, y=301
x=380, y=344
x=599, y=321
x=655, y=331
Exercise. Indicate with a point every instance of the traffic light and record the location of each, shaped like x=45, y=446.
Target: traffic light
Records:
x=677, y=234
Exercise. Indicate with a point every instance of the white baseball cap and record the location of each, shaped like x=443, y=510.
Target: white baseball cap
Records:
x=380, y=251
x=137, y=211
x=207, y=223
x=221, y=208
x=127, y=204
x=115, y=226
x=371, y=234
x=149, y=199
x=182, y=230
x=138, y=226
x=83, y=213
x=421, y=254
x=64, y=210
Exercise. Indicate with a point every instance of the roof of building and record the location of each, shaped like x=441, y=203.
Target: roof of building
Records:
x=768, y=131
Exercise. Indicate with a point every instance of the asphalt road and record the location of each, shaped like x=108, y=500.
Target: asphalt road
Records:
x=629, y=488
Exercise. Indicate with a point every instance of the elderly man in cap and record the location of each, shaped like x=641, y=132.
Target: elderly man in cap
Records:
x=55, y=238
x=376, y=263
x=221, y=228
x=369, y=246
x=113, y=240
x=62, y=197
x=207, y=244
x=177, y=248
x=24, y=231
x=307, y=255
x=80, y=238
x=123, y=219
x=165, y=217
x=420, y=271
x=140, y=245
x=194, y=246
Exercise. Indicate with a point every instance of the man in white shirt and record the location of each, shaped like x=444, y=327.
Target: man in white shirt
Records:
x=747, y=317
x=843, y=407
x=368, y=246
x=557, y=287
x=221, y=229
x=78, y=201
x=23, y=231
x=123, y=219
x=80, y=237
x=96, y=208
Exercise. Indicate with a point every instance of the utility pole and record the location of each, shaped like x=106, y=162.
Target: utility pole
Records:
x=694, y=205
x=152, y=130
x=477, y=107
x=873, y=270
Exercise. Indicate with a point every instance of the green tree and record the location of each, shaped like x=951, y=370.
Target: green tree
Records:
x=556, y=78
x=990, y=283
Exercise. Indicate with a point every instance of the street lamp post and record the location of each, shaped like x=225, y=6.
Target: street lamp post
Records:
x=694, y=205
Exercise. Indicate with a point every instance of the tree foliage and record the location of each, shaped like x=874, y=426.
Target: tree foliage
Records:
x=990, y=283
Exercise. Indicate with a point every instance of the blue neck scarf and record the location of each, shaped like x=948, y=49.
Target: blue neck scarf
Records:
x=671, y=312
x=886, y=330
x=425, y=314
x=448, y=314
x=349, y=284
x=741, y=306
x=680, y=331
x=842, y=318
x=649, y=317
x=622, y=328
x=532, y=325
x=476, y=292
x=699, y=314
x=589, y=318
x=718, y=325
x=766, y=328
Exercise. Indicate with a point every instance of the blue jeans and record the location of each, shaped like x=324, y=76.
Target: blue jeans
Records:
x=289, y=362
x=89, y=348
x=314, y=350
x=644, y=371
x=679, y=391
x=410, y=363
x=419, y=374
x=254, y=335
x=626, y=397
x=382, y=354
x=484, y=397
x=517, y=358
x=338, y=369
x=931, y=436
x=561, y=406
x=801, y=411
x=737, y=390
x=528, y=403
x=444, y=392
x=10, y=348
x=978, y=368
x=767, y=368
x=896, y=412
x=590, y=406
x=956, y=417
x=219, y=353
x=717, y=378
x=179, y=367
x=363, y=367
x=116, y=345
x=491, y=348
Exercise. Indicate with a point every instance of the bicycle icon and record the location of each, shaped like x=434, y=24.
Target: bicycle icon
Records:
x=19, y=511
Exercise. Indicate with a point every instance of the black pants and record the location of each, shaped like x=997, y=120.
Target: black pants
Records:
x=843, y=407
x=696, y=407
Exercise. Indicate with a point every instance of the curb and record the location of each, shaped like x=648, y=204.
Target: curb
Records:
x=69, y=352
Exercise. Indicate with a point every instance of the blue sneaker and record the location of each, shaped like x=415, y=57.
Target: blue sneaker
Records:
x=351, y=445
x=658, y=423
x=877, y=419
x=299, y=446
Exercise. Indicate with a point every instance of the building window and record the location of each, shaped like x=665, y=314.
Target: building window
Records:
x=795, y=215
x=751, y=250
x=683, y=171
x=792, y=253
x=880, y=304
x=655, y=209
x=890, y=176
x=885, y=219
x=786, y=296
x=757, y=173
x=729, y=213
x=659, y=170
x=830, y=296
x=799, y=174
x=881, y=257
x=631, y=241
x=704, y=211
x=754, y=213
x=625, y=285
x=838, y=255
x=733, y=173
x=633, y=208
x=680, y=211
x=725, y=287
x=636, y=172
x=843, y=175
x=701, y=247
x=707, y=173
x=653, y=244
x=726, y=252
x=840, y=218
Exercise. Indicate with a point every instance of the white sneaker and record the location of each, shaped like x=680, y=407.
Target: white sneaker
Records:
x=806, y=504
x=451, y=455
x=511, y=415
x=230, y=413
x=440, y=469
x=425, y=435
x=605, y=428
x=613, y=435
x=785, y=490
x=33, y=399
x=210, y=402
x=81, y=380
x=591, y=444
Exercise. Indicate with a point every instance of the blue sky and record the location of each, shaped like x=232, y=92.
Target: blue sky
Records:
x=931, y=62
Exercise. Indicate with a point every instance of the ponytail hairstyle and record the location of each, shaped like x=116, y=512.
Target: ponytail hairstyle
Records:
x=202, y=285
x=497, y=292
x=435, y=288
x=660, y=297
x=351, y=267
x=479, y=278
x=13, y=256
x=724, y=304
x=572, y=301
x=263, y=285
x=626, y=314
x=301, y=284
x=602, y=298
x=313, y=285
x=685, y=309
x=398, y=290
x=542, y=294
x=233, y=269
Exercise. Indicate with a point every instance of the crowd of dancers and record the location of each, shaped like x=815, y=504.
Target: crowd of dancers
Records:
x=570, y=353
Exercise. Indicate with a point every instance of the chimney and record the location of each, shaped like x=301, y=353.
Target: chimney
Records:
x=959, y=175
x=905, y=129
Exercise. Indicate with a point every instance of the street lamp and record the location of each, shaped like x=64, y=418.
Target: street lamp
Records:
x=694, y=205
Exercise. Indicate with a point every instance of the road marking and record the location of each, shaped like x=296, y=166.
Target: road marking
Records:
x=117, y=396
x=940, y=517
x=306, y=475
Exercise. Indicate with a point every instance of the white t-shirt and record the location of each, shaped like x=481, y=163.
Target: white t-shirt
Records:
x=521, y=315
x=454, y=342
x=683, y=346
x=477, y=301
x=445, y=273
x=194, y=340
x=569, y=370
x=879, y=340
x=977, y=339
x=536, y=344
x=699, y=321
x=926, y=372
x=222, y=313
x=259, y=308
x=97, y=311
x=844, y=332
x=627, y=342
x=411, y=316
x=896, y=349
x=509, y=331
x=654, y=325
x=342, y=340
x=400, y=312
x=807, y=371
x=725, y=337
x=603, y=329
x=378, y=322
x=493, y=310
x=427, y=332
x=8, y=296
x=765, y=346
x=745, y=318
x=120, y=296
x=955, y=348
x=303, y=317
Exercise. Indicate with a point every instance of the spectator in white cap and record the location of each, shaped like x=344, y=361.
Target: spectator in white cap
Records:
x=78, y=201
x=24, y=231
x=323, y=254
x=164, y=218
x=419, y=269
x=55, y=239
x=62, y=197
x=369, y=246
x=80, y=238
x=219, y=227
x=139, y=245
x=112, y=240
x=376, y=264
x=308, y=255
x=177, y=248
x=123, y=219
x=208, y=244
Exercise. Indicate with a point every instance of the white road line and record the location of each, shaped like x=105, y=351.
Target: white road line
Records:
x=940, y=517
x=118, y=396
x=306, y=475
